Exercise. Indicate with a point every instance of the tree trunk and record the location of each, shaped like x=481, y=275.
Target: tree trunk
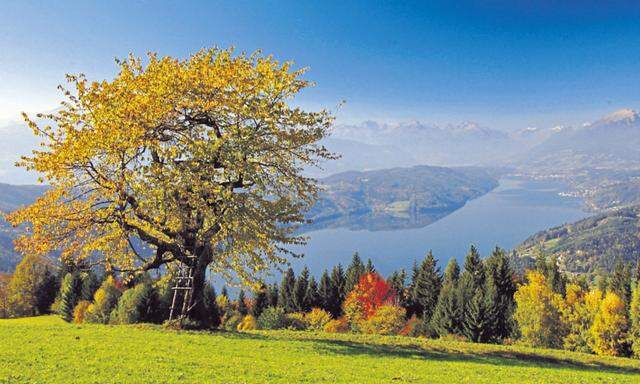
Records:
x=199, y=313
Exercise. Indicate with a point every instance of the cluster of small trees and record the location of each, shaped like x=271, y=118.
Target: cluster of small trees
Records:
x=603, y=318
x=31, y=289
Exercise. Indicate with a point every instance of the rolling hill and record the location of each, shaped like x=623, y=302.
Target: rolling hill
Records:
x=396, y=197
x=590, y=244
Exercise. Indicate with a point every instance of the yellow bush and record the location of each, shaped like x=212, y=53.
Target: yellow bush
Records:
x=354, y=312
x=247, y=324
x=387, y=320
x=296, y=321
x=317, y=319
x=340, y=325
x=609, y=329
x=80, y=311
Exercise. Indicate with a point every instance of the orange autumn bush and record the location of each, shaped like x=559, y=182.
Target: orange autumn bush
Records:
x=371, y=293
x=340, y=325
x=80, y=311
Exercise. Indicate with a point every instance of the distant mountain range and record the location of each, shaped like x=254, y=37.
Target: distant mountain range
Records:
x=612, y=142
x=415, y=143
x=589, y=245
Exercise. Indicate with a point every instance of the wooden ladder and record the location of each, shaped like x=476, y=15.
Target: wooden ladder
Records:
x=184, y=286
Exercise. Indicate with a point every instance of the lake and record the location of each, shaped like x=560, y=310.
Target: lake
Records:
x=506, y=216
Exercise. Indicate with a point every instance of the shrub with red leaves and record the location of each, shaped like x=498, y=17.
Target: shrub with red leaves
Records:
x=371, y=293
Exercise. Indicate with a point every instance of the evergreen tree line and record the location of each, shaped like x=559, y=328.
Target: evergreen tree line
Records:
x=476, y=303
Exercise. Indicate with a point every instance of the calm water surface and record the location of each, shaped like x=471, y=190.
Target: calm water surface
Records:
x=505, y=216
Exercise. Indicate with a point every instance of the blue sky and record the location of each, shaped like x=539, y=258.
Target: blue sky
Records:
x=505, y=64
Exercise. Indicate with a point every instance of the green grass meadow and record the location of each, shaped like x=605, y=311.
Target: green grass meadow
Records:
x=47, y=350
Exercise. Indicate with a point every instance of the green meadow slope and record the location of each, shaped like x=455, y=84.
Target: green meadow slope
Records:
x=47, y=350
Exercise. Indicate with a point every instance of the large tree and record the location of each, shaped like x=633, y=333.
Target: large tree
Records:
x=201, y=159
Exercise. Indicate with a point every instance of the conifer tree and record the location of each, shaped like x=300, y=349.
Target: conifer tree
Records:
x=212, y=306
x=620, y=282
x=474, y=267
x=260, y=301
x=224, y=292
x=300, y=291
x=90, y=284
x=447, y=316
x=470, y=286
x=369, y=268
x=500, y=289
x=601, y=281
x=46, y=291
x=273, y=295
x=411, y=310
x=550, y=269
x=312, y=296
x=426, y=288
x=353, y=273
x=285, y=298
x=336, y=289
x=557, y=280
x=477, y=321
x=324, y=291
x=397, y=282
x=242, y=304
x=541, y=263
x=69, y=296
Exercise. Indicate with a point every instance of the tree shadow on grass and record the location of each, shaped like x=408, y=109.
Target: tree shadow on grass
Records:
x=502, y=358
x=438, y=353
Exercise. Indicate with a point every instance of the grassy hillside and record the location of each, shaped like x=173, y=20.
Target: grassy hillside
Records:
x=589, y=244
x=45, y=349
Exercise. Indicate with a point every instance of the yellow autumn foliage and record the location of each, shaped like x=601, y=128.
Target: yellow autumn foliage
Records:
x=538, y=311
x=609, y=329
x=248, y=323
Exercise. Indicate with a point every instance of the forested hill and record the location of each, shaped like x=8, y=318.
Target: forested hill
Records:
x=590, y=244
x=11, y=198
x=397, y=197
